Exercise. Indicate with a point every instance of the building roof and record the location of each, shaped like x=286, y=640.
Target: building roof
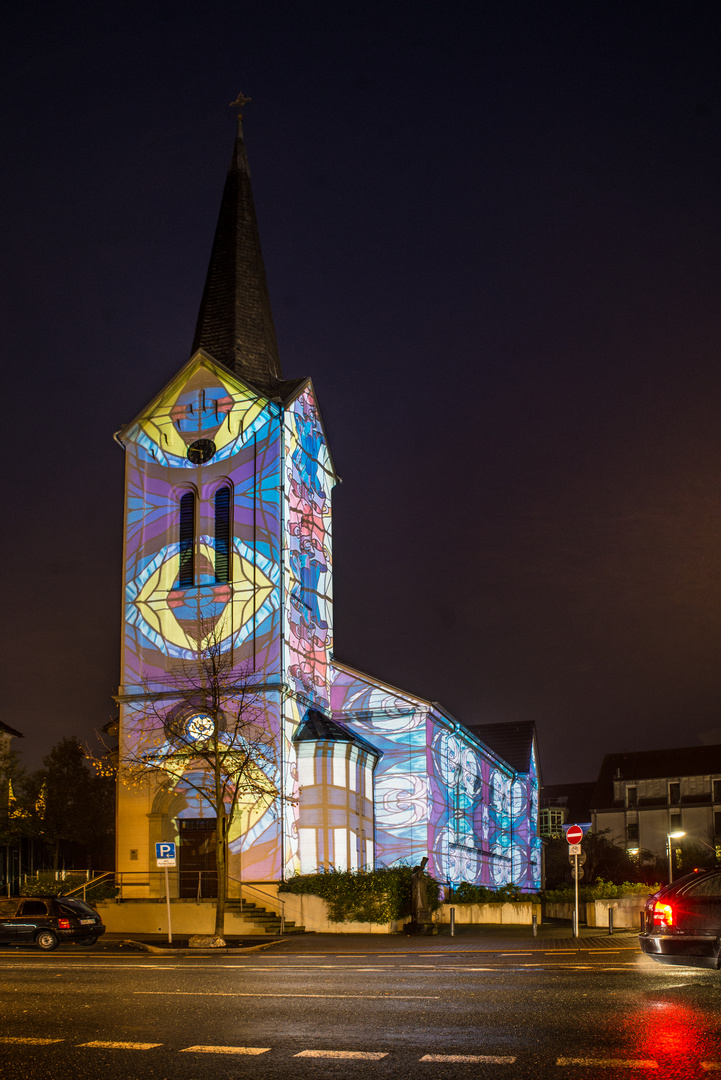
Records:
x=315, y=727
x=7, y=730
x=574, y=798
x=235, y=323
x=513, y=742
x=654, y=765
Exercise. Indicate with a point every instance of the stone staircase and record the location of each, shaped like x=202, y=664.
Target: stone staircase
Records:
x=267, y=922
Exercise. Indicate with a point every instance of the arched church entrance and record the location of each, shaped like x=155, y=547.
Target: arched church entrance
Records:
x=198, y=868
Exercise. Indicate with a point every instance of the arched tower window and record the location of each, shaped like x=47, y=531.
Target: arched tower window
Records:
x=186, y=578
x=222, y=535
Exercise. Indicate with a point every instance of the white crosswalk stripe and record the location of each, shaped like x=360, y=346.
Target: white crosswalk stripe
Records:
x=362, y=1055
x=225, y=1050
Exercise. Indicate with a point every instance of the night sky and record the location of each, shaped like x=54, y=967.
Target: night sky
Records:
x=492, y=237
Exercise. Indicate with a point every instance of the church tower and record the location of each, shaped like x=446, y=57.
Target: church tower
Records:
x=228, y=543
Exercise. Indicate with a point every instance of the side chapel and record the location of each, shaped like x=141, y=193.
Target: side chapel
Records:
x=228, y=513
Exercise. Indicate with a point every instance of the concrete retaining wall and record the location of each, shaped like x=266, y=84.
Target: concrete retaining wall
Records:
x=517, y=913
x=626, y=912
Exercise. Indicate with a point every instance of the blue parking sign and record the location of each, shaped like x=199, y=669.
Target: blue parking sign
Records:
x=165, y=854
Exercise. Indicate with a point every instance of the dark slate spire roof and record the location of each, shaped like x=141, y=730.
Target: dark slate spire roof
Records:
x=235, y=324
x=316, y=727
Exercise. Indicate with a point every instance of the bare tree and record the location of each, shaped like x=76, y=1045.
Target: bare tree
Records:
x=207, y=730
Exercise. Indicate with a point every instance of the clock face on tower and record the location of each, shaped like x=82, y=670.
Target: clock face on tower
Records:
x=200, y=451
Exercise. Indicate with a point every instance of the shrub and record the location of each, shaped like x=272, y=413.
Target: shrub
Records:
x=372, y=896
x=104, y=890
x=480, y=894
x=602, y=890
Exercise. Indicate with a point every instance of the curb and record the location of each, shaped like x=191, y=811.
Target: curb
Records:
x=223, y=951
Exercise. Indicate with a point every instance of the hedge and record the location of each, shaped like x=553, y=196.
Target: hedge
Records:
x=368, y=896
x=480, y=894
x=602, y=890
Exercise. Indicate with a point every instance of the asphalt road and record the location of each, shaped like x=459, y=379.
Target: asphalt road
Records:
x=566, y=1015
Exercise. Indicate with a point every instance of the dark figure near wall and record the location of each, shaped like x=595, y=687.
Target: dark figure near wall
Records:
x=421, y=921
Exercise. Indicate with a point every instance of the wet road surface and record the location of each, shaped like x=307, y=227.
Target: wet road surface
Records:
x=561, y=1014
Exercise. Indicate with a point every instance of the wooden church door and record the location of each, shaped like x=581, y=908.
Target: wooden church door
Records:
x=198, y=865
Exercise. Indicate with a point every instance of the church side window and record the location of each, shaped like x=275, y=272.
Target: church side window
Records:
x=186, y=578
x=222, y=535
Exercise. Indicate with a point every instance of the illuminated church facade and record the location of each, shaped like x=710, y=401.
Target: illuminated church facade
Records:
x=228, y=492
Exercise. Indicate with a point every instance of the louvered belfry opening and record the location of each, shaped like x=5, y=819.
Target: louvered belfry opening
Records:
x=186, y=578
x=222, y=535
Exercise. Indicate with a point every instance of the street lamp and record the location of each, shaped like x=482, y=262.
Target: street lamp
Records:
x=669, y=837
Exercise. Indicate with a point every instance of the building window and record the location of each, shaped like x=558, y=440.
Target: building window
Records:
x=632, y=830
x=675, y=823
x=222, y=535
x=550, y=821
x=186, y=578
x=717, y=791
x=717, y=823
x=631, y=796
x=674, y=793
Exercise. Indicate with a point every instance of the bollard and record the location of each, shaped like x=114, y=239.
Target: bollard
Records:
x=610, y=920
x=534, y=919
x=453, y=922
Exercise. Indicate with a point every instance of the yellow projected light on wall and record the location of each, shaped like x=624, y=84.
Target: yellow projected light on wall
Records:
x=233, y=605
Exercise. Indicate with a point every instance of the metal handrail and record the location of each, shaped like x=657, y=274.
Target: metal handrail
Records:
x=87, y=884
x=274, y=900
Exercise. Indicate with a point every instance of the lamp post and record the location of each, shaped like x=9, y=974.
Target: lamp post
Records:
x=669, y=837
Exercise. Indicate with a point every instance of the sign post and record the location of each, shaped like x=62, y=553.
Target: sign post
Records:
x=574, y=835
x=165, y=857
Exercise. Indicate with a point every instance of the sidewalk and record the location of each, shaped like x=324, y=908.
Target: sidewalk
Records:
x=477, y=939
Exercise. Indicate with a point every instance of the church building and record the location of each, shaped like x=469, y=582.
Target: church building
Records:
x=228, y=530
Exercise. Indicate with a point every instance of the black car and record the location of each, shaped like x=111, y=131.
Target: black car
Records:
x=48, y=920
x=683, y=921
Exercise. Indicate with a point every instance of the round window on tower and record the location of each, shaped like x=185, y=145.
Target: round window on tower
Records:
x=201, y=451
x=199, y=727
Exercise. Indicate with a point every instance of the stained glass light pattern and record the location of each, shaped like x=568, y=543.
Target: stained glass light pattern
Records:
x=308, y=584
x=439, y=792
x=162, y=613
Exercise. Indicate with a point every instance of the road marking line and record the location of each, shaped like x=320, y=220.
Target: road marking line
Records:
x=610, y=1063
x=120, y=1045
x=484, y=1058
x=28, y=1041
x=228, y=993
x=361, y=1054
x=225, y=1050
x=557, y=952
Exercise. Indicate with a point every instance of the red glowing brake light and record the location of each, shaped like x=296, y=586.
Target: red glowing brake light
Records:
x=662, y=914
x=63, y=924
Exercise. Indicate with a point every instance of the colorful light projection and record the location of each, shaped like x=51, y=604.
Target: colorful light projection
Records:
x=164, y=620
x=438, y=793
x=166, y=623
x=309, y=479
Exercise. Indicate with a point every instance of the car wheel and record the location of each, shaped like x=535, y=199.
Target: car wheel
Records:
x=46, y=940
x=90, y=940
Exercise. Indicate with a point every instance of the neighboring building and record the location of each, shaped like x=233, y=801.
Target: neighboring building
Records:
x=9, y=846
x=643, y=797
x=563, y=805
x=228, y=523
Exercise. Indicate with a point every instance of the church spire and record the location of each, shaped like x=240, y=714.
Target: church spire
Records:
x=235, y=324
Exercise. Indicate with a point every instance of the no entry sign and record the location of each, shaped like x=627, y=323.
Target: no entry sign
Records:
x=574, y=835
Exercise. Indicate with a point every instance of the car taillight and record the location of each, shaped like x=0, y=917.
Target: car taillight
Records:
x=662, y=914
x=63, y=924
